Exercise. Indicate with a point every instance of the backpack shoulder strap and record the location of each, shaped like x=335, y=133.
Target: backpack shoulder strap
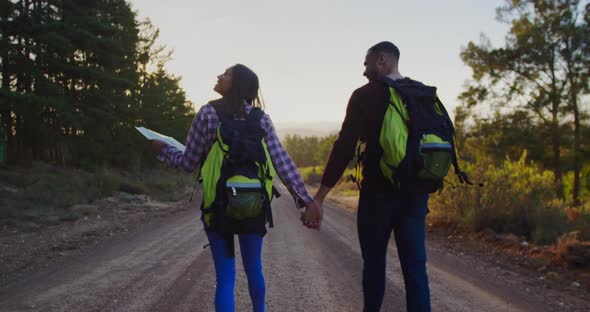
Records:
x=408, y=87
x=256, y=114
x=220, y=109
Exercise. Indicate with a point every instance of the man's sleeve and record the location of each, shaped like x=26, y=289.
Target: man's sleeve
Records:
x=344, y=146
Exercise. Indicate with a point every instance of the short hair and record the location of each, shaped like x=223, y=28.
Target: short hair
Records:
x=385, y=47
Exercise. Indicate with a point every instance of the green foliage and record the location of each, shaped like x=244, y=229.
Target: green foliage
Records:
x=77, y=76
x=568, y=184
x=107, y=183
x=311, y=175
x=518, y=197
x=535, y=83
x=525, y=96
x=309, y=151
x=582, y=222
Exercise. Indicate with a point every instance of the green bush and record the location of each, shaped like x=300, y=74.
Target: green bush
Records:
x=311, y=175
x=568, y=184
x=582, y=221
x=518, y=197
x=108, y=183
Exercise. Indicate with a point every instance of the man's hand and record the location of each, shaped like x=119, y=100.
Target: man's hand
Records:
x=321, y=194
x=313, y=215
x=156, y=146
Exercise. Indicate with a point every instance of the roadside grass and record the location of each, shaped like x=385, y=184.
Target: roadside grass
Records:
x=42, y=193
x=518, y=197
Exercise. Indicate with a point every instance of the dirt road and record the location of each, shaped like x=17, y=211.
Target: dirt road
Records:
x=164, y=267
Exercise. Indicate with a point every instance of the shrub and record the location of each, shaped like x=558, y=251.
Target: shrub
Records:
x=518, y=197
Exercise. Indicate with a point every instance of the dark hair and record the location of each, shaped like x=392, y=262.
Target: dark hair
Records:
x=245, y=87
x=385, y=47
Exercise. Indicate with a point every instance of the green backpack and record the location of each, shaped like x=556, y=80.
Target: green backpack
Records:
x=237, y=177
x=417, y=138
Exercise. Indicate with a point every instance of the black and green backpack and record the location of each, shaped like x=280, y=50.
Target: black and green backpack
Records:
x=237, y=177
x=417, y=138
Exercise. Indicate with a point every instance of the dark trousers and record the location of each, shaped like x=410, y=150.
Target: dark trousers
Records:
x=378, y=215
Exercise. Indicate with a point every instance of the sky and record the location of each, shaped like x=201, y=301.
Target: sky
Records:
x=309, y=54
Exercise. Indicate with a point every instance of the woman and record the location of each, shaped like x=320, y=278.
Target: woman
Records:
x=238, y=86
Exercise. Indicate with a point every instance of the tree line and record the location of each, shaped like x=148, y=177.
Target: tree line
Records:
x=77, y=76
x=309, y=151
x=536, y=86
x=531, y=94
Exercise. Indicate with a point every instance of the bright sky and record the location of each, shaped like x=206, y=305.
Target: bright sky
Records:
x=309, y=54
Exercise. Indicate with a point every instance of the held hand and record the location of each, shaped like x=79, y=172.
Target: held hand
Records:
x=156, y=146
x=313, y=215
x=321, y=194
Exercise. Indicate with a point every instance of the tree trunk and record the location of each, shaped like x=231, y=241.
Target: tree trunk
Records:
x=556, y=139
x=5, y=108
x=556, y=142
x=25, y=81
x=577, y=165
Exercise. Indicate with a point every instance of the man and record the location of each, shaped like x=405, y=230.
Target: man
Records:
x=382, y=209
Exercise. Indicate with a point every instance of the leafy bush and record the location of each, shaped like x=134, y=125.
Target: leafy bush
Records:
x=311, y=175
x=518, y=197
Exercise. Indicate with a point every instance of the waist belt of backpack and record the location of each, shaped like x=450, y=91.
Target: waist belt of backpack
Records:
x=275, y=192
x=266, y=200
x=269, y=214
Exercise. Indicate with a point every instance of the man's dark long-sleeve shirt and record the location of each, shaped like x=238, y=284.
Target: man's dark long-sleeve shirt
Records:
x=364, y=117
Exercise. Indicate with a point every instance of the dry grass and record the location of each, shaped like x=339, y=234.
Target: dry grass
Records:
x=43, y=193
x=572, y=251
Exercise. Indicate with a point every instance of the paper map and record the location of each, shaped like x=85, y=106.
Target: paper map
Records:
x=153, y=135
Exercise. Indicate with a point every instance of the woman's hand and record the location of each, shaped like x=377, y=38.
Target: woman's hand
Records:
x=156, y=146
x=313, y=215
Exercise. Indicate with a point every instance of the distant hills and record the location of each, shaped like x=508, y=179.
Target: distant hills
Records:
x=320, y=129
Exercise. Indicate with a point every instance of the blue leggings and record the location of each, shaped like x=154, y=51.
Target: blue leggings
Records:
x=225, y=271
